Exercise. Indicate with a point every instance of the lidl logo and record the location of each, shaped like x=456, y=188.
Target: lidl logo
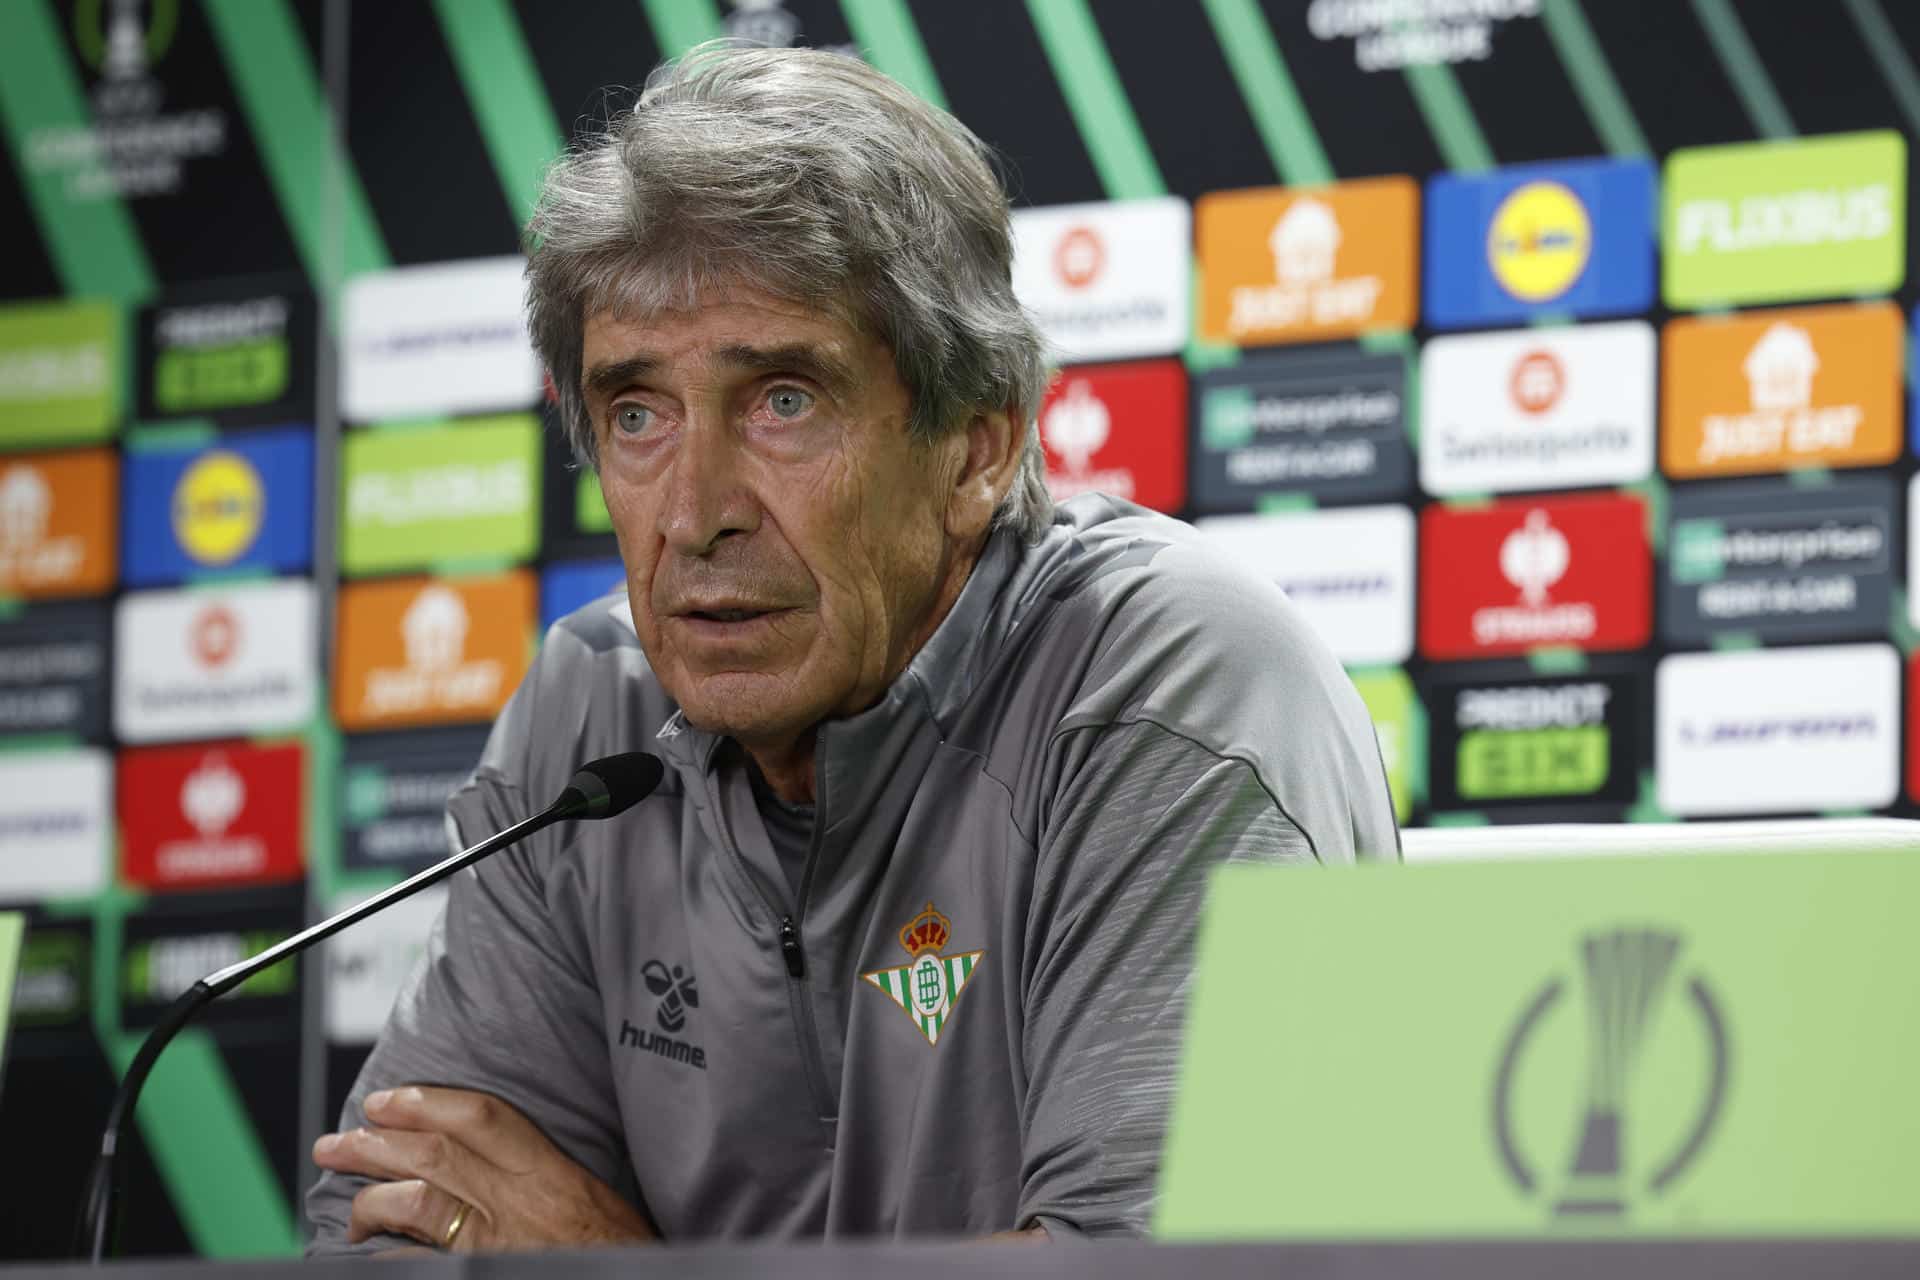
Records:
x=59, y=373
x=1558, y=408
x=1306, y=265
x=1107, y=281
x=1785, y=221
x=245, y=502
x=1572, y=238
x=421, y=496
x=431, y=651
x=57, y=514
x=1515, y=576
x=1120, y=430
x=1540, y=241
x=1768, y=390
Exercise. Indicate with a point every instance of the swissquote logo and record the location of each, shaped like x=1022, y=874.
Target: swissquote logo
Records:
x=927, y=987
x=1634, y=1003
x=678, y=992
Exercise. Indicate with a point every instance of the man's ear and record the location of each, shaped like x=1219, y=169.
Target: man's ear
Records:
x=994, y=442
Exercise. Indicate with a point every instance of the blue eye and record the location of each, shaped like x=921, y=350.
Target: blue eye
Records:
x=788, y=402
x=632, y=418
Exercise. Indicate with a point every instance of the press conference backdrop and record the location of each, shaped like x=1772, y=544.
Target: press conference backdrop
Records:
x=1550, y=353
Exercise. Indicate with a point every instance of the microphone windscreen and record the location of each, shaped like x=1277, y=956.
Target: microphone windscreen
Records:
x=614, y=784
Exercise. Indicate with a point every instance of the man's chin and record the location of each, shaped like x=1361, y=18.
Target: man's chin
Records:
x=744, y=707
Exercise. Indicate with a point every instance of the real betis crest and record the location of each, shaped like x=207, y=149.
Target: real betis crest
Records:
x=927, y=986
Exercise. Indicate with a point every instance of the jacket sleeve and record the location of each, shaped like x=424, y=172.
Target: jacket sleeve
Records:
x=504, y=1001
x=1141, y=817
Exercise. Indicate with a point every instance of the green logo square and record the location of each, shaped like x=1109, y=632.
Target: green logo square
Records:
x=60, y=373
x=418, y=497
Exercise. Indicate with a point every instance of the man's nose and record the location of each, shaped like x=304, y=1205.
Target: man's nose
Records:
x=707, y=494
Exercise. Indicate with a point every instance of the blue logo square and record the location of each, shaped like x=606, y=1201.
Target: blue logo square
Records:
x=1574, y=238
x=243, y=502
x=565, y=587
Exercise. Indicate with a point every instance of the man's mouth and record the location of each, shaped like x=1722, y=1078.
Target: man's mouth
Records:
x=728, y=615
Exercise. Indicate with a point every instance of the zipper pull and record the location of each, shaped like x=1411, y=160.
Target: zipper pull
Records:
x=790, y=948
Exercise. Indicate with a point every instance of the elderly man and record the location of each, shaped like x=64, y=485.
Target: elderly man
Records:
x=903, y=944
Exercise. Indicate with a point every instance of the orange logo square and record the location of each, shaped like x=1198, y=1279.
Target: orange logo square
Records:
x=431, y=650
x=1768, y=390
x=57, y=523
x=1306, y=264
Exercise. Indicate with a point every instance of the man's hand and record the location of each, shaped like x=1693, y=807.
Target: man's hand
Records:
x=437, y=1149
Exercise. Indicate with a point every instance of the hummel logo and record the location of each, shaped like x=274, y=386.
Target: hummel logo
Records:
x=678, y=989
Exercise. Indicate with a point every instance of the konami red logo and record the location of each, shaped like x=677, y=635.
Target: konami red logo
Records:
x=206, y=816
x=1518, y=575
x=1118, y=429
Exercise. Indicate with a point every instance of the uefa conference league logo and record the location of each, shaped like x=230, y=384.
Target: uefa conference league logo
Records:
x=1629, y=1003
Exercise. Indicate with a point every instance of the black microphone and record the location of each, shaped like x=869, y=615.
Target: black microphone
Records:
x=601, y=789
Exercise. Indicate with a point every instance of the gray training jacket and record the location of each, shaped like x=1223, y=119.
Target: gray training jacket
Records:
x=968, y=1018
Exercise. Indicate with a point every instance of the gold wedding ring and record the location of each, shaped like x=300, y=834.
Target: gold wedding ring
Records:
x=459, y=1221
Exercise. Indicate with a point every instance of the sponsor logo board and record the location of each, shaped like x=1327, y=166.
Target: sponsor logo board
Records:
x=1913, y=727
x=1399, y=725
x=1513, y=576
x=1779, y=562
x=210, y=663
x=53, y=671
x=566, y=587
x=368, y=964
x=216, y=816
x=394, y=790
x=423, y=651
x=1284, y=264
x=242, y=502
x=1817, y=386
x=55, y=832
x=180, y=938
x=425, y=495
x=1573, y=238
x=1783, y=221
x=1120, y=430
x=1778, y=730
x=59, y=373
x=1329, y=425
x=54, y=986
x=1109, y=280
x=1504, y=737
x=1349, y=571
x=1538, y=409
x=244, y=356
x=426, y=341
x=57, y=513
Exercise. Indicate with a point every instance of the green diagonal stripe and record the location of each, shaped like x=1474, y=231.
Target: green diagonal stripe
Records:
x=886, y=33
x=207, y=1152
x=1743, y=66
x=1593, y=79
x=503, y=88
x=1443, y=104
x=290, y=121
x=678, y=25
x=1098, y=104
x=93, y=243
x=1267, y=85
x=1884, y=44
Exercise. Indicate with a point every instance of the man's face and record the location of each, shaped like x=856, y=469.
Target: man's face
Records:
x=784, y=541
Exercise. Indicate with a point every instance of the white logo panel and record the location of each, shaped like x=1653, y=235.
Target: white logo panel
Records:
x=441, y=339
x=208, y=663
x=367, y=964
x=1563, y=408
x=56, y=823
x=1350, y=571
x=1107, y=281
x=1778, y=730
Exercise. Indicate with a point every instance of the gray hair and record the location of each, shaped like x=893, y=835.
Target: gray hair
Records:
x=810, y=176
